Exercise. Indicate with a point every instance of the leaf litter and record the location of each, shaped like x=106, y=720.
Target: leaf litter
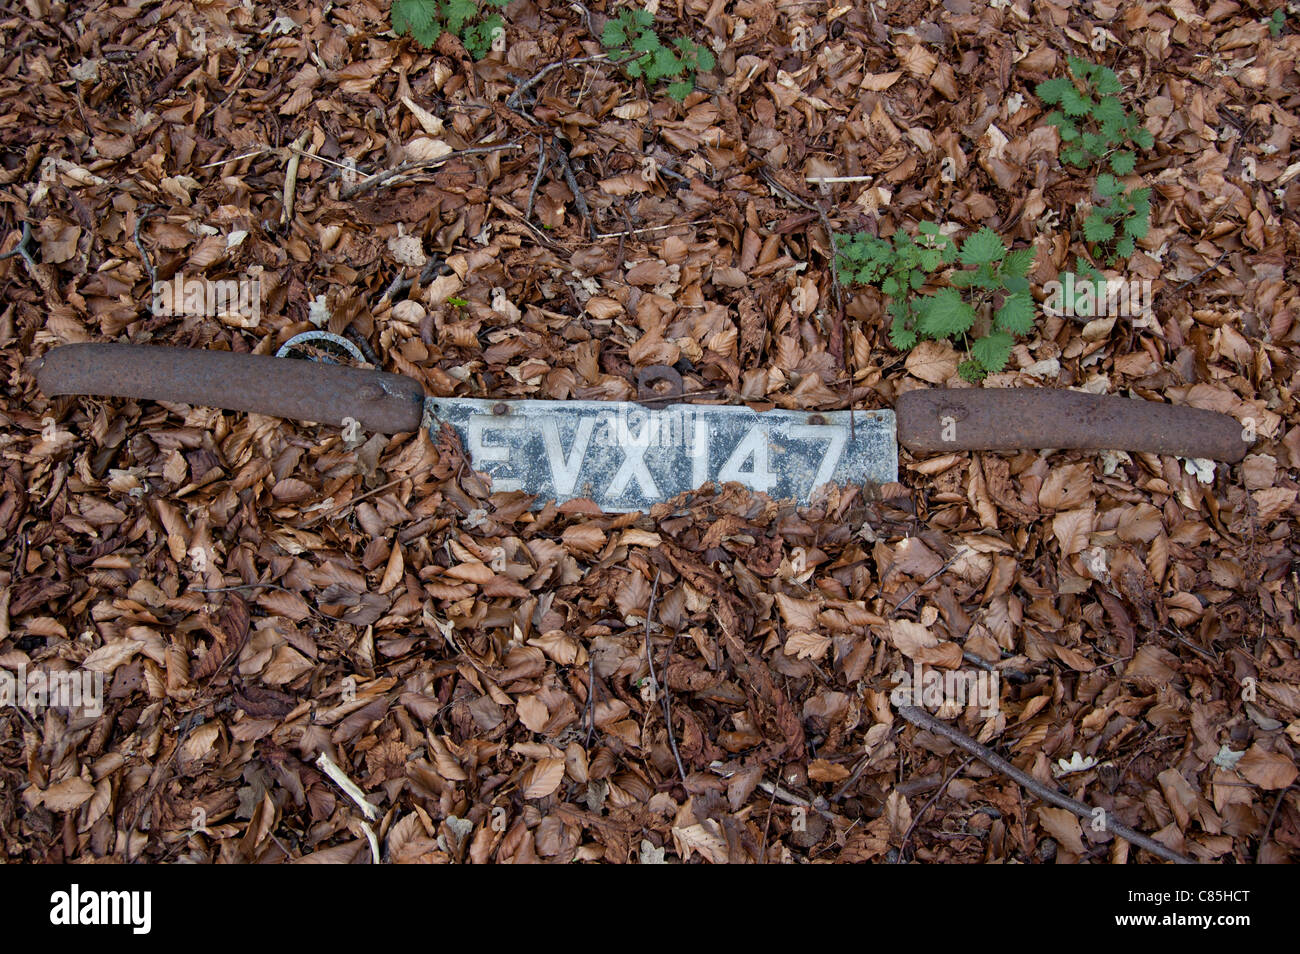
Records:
x=292, y=626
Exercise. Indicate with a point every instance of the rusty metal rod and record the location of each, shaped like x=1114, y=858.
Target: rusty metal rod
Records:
x=301, y=390
x=937, y=420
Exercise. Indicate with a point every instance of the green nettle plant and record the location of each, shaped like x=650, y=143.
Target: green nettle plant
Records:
x=1093, y=123
x=1081, y=289
x=426, y=20
x=1115, y=224
x=988, y=305
x=897, y=267
x=631, y=32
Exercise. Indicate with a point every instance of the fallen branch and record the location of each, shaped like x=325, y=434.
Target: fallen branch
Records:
x=661, y=690
x=406, y=168
x=350, y=788
x=902, y=845
x=291, y=176
x=922, y=719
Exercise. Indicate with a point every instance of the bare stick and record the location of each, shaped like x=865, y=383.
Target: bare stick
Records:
x=514, y=100
x=902, y=846
x=654, y=681
x=922, y=719
x=572, y=181
x=961, y=551
x=405, y=168
x=537, y=179
x=141, y=214
x=291, y=176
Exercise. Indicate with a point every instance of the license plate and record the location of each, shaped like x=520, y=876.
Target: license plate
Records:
x=625, y=456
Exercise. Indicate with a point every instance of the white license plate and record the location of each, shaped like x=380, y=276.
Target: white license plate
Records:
x=625, y=457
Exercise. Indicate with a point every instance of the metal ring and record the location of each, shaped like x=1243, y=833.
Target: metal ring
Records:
x=338, y=341
x=645, y=381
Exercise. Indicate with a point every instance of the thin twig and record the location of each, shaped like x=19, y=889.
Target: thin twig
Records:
x=141, y=214
x=833, y=180
x=537, y=179
x=515, y=100
x=961, y=551
x=589, y=711
x=922, y=719
x=22, y=247
x=656, y=684
x=902, y=846
x=262, y=586
x=353, y=501
x=572, y=181
x=406, y=168
x=1268, y=829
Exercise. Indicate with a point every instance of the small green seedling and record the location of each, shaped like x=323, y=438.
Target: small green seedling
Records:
x=1093, y=123
x=631, y=32
x=995, y=308
x=898, y=267
x=426, y=20
x=457, y=302
x=1276, y=22
x=988, y=305
x=1115, y=224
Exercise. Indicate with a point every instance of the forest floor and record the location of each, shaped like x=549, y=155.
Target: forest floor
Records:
x=279, y=614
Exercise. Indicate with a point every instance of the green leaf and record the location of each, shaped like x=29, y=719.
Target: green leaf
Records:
x=1019, y=262
x=971, y=371
x=613, y=36
x=1137, y=226
x=647, y=42
x=1109, y=109
x=1074, y=156
x=1125, y=247
x=665, y=63
x=983, y=247
x=1052, y=91
x=1095, y=143
x=1106, y=82
x=944, y=314
x=993, y=351
x=1123, y=163
x=1080, y=67
x=1075, y=103
x=1143, y=139
x=1108, y=186
x=1097, y=229
x=455, y=13
x=419, y=18
x=681, y=89
x=964, y=279
x=1016, y=314
x=900, y=336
